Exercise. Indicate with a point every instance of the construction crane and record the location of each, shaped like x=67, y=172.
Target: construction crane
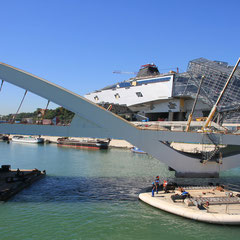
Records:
x=163, y=69
x=121, y=72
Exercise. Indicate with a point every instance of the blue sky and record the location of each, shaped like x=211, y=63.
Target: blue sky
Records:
x=78, y=44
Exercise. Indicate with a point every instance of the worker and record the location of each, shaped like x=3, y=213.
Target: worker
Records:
x=206, y=205
x=153, y=188
x=184, y=193
x=157, y=184
x=165, y=185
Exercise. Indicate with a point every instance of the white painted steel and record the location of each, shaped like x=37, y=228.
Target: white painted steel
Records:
x=127, y=95
x=93, y=121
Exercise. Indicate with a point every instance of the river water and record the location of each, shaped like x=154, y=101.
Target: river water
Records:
x=94, y=195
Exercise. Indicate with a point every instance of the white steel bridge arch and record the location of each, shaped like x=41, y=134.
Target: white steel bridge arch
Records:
x=90, y=120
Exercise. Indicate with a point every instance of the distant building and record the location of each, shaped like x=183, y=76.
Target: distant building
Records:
x=27, y=120
x=47, y=122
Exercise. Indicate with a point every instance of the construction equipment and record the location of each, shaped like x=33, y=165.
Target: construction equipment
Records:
x=121, y=72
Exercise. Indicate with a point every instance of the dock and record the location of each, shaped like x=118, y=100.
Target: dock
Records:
x=13, y=181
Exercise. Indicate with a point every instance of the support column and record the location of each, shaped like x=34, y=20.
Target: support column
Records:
x=181, y=116
x=170, y=116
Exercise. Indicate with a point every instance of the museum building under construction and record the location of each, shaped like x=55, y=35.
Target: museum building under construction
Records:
x=169, y=96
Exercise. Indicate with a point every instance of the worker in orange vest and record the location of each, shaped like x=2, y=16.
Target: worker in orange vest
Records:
x=165, y=185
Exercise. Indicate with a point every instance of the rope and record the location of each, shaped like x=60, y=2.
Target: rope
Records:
x=19, y=107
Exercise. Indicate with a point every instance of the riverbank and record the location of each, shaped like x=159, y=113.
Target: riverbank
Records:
x=115, y=143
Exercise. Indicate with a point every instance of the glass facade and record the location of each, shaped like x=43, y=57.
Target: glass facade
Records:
x=216, y=74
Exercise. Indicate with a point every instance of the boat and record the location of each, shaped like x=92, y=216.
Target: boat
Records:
x=137, y=150
x=30, y=139
x=88, y=144
x=211, y=204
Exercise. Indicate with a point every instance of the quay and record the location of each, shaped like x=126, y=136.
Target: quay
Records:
x=115, y=143
x=13, y=181
x=123, y=144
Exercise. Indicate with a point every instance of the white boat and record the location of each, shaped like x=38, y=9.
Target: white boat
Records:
x=202, y=204
x=137, y=150
x=29, y=139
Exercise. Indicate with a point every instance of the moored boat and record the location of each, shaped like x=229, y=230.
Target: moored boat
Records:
x=137, y=150
x=88, y=144
x=29, y=139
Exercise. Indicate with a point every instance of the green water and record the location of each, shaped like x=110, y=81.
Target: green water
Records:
x=94, y=195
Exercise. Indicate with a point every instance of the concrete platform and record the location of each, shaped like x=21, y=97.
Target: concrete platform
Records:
x=204, y=204
x=13, y=181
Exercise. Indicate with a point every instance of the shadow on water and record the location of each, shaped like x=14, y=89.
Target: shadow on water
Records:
x=90, y=189
x=84, y=189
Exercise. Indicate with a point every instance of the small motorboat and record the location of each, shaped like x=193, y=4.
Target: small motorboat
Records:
x=137, y=150
x=30, y=139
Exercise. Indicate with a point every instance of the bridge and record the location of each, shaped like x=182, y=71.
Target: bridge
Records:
x=91, y=120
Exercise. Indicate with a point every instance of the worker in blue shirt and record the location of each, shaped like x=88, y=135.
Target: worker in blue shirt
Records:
x=153, y=188
x=157, y=184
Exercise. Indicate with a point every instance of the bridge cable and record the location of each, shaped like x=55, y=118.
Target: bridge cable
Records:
x=12, y=121
x=1, y=85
